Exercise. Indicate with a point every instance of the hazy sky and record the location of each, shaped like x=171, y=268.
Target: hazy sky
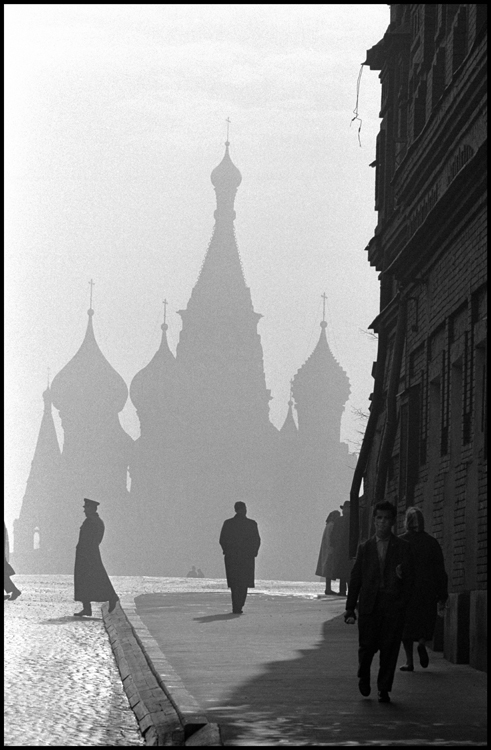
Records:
x=115, y=118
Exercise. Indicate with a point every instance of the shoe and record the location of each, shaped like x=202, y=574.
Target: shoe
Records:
x=6, y=596
x=383, y=696
x=237, y=612
x=83, y=613
x=407, y=668
x=15, y=594
x=364, y=688
x=424, y=659
x=112, y=604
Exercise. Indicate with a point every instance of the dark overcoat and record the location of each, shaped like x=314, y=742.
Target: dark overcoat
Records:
x=91, y=581
x=7, y=568
x=240, y=541
x=430, y=585
x=340, y=536
x=365, y=579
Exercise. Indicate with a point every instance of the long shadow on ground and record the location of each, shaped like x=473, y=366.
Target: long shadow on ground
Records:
x=314, y=700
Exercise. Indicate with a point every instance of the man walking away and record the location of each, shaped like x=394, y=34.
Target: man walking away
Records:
x=91, y=581
x=240, y=541
x=381, y=583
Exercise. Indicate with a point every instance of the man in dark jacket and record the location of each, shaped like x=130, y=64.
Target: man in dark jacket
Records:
x=380, y=585
x=240, y=541
x=91, y=581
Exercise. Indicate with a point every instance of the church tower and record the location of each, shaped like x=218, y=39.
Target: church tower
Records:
x=219, y=348
x=313, y=475
x=89, y=394
x=321, y=389
x=35, y=531
x=222, y=436
x=157, y=461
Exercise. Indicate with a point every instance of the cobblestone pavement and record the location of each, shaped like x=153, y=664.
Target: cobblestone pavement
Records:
x=62, y=686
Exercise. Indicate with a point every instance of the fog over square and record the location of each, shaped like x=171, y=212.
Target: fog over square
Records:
x=115, y=118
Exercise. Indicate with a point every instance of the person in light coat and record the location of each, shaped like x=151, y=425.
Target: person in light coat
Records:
x=325, y=562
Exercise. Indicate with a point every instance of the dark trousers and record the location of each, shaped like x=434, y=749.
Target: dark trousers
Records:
x=381, y=630
x=239, y=595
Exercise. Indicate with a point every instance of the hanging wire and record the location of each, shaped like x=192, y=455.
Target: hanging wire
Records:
x=355, y=111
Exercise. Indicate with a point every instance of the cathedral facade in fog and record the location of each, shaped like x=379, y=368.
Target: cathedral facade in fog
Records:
x=205, y=441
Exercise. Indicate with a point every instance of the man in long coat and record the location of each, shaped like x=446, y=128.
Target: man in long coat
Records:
x=91, y=581
x=380, y=585
x=240, y=541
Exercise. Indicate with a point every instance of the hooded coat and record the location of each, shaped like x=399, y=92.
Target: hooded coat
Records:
x=91, y=582
x=430, y=585
x=342, y=563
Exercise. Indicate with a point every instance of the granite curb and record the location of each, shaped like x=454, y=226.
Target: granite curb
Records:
x=166, y=712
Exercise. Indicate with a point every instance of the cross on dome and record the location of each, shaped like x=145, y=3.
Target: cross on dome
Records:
x=324, y=298
x=92, y=285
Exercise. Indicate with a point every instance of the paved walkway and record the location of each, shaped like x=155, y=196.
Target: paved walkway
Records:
x=284, y=673
x=62, y=686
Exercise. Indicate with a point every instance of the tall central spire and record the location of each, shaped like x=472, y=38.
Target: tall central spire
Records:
x=219, y=347
x=221, y=286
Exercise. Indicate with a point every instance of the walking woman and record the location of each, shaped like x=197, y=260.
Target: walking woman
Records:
x=430, y=589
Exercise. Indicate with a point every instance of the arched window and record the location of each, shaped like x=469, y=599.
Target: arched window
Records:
x=36, y=539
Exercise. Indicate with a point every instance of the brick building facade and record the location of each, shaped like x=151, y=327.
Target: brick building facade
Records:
x=425, y=442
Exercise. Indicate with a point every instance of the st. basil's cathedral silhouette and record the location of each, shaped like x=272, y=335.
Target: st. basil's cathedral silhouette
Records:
x=206, y=440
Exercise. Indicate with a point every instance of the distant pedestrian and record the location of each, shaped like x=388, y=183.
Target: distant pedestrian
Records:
x=240, y=541
x=193, y=573
x=200, y=573
x=342, y=563
x=91, y=581
x=380, y=586
x=325, y=563
x=430, y=590
x=8, y=585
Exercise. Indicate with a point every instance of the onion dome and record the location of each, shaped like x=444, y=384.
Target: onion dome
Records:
x=88, y=381
x=321, y=375
x=226, y=178
x=226, y=175
x=149, y=387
